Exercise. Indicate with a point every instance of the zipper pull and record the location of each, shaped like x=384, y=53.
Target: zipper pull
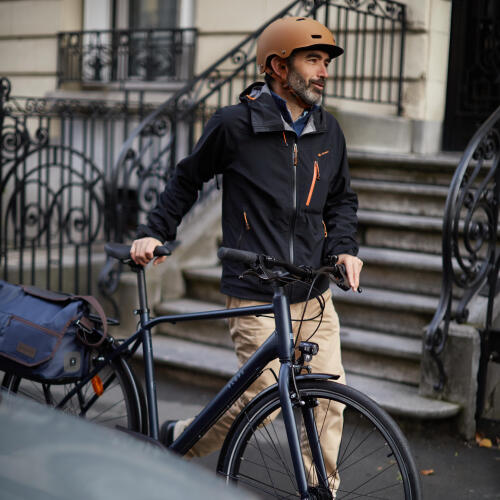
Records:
x=247, y=225
x=295, y=154
x=316, y=170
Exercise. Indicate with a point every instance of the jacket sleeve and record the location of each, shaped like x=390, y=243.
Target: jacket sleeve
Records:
x=182, y=189
x=340, y=212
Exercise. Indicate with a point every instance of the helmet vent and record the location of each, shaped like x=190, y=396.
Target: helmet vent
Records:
x=301, y=19
x=316, y=36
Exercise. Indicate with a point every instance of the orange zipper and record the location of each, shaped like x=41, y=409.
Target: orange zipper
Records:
x=247, y=225
x=313, y=183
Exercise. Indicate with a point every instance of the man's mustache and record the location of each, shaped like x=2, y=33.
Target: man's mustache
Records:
x=318, y=81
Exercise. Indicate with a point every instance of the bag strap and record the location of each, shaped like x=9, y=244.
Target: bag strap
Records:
x=88, y=323
x=61, y=297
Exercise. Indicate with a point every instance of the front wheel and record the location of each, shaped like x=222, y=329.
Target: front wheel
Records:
x=112, y=398
x=371, y=459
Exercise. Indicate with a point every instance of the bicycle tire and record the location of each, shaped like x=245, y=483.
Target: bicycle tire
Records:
x=374, y=460
x=119, y=405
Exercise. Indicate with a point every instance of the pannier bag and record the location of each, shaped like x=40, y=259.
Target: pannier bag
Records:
x=46, y=335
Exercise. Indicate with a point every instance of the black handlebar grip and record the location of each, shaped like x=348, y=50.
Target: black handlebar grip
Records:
x=162, y=251
x=242, y=256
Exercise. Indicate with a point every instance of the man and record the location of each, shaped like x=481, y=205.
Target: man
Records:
x=286, y=193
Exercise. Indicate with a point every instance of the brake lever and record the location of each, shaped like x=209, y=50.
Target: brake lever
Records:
x=252, y=272
x=257, y=270
x=341, y=280
x=262, y=273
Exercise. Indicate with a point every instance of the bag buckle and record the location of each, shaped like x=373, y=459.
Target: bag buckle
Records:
x=85, y=325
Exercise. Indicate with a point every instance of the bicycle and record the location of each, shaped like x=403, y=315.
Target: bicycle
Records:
x=277, y=431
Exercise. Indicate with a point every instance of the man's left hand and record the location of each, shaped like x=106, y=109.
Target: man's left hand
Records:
x=353, y=267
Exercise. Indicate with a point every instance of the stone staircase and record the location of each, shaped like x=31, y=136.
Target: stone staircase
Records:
x=401, y=204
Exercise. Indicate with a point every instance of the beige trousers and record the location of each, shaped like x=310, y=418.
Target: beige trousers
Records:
x=248, y=333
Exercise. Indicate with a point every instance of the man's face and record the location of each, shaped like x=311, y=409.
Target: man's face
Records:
x=307, y=74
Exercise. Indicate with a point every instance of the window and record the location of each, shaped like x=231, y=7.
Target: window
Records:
x=147, y=14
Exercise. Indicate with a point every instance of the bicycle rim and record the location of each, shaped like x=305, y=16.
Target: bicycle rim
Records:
x=373, y=460
x=118, y=405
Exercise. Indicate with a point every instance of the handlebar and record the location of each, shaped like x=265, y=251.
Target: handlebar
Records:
x=254, y=260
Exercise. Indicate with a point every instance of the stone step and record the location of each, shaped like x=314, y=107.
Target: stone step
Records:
x=414, y=233
x=414, y=169
x=404, y=314
x=200, y=364
x=400, y=197
x=367, y=352
x=204, y=284
x=210, y=332
x=401, y=270
x=377, y=354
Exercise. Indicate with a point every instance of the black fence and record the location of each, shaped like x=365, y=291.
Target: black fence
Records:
x=107, y=56
x=372, y=34
x=59, y=195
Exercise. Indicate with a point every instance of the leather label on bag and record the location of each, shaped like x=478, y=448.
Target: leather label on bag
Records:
x=25, y=349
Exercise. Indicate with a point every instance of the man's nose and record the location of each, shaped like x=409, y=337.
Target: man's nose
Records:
x=323, y=72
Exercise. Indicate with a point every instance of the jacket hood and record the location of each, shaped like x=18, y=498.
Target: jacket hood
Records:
x=254, y=91
x=265, y=115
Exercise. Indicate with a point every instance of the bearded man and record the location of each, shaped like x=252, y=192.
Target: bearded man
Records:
x=286, y=193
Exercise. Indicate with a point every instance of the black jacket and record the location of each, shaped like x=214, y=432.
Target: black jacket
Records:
x=283, y=195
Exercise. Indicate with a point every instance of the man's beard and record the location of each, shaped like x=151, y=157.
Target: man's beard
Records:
x=302, y=89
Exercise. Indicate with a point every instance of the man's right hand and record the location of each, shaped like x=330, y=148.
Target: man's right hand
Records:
x=142, y=250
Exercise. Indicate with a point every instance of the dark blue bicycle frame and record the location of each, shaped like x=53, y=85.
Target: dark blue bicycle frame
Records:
x=279, y=345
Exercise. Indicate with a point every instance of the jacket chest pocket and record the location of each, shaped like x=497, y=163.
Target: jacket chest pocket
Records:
x=316, y=186
x=316, y=177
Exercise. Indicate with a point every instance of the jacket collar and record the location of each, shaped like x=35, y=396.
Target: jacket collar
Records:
x=266, y=117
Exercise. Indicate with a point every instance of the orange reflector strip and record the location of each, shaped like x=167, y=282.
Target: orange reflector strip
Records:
x=97, y=385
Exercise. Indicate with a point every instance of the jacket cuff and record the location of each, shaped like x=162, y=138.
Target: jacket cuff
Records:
x=144, y=231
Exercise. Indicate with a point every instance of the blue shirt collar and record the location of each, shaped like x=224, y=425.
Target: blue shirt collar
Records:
x=299, y=124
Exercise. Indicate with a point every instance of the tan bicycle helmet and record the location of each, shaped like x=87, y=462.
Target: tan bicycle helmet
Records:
x=287, y=34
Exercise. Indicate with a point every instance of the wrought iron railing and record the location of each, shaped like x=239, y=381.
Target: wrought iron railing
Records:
x=56, y=158
x=372, y=34
x=108, y=56
x=471, y=257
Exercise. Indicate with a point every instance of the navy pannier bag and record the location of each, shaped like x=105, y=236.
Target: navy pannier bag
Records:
x=47, y=336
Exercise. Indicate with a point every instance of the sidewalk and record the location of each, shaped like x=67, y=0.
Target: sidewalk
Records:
x=455, y=469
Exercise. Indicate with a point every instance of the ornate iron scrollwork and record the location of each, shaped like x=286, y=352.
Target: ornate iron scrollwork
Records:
x=52, y=192
x=470, y=255
x=120, y=55
x=384, y=8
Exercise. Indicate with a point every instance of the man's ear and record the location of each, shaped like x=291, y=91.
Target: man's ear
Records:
x=280, y=67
